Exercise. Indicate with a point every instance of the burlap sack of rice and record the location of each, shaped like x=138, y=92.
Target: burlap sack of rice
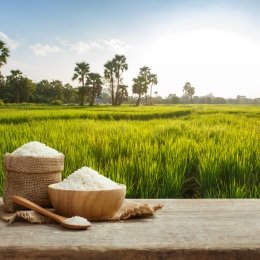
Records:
x=29, y=177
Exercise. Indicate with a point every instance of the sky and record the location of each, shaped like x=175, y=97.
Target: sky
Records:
x=214, y=45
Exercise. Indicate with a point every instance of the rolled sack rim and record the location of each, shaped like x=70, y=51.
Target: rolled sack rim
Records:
x=32, y=164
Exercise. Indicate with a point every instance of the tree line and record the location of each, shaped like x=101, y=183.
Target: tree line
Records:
x=17, y=88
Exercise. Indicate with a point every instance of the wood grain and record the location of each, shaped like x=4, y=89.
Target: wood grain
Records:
x=183, y=229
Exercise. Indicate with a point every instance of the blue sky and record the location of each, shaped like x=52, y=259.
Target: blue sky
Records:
x=213, y=44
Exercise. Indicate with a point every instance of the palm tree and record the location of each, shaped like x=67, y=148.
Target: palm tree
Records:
x=153, y=81
x=81, y=73
x=113, y=74
x=120, y=65
x=142, y=82
x=109, y=76
x=138, y=88
x=148, y=78
x=188, y=90
x=94, y=87
x=145, y=74
x=4, y=53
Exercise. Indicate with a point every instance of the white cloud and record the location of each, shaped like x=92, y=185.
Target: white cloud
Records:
x=63, y=42
x=44, y=49
x=84, y=47
x=80, y=47
x=116, y=45
x=12, y=44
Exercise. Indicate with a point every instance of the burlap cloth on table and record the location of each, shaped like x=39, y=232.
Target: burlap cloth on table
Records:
x=130, y=209
x=29, y=177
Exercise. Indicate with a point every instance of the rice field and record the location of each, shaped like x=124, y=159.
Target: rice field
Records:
x=158, y=152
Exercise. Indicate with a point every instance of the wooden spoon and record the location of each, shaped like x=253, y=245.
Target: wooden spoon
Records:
x=60, y=219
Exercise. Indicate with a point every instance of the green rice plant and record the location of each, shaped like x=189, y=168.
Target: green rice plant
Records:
x=158, y=152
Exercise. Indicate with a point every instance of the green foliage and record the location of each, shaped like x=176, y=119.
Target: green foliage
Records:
x=81, y=72
x=18, y=88
x=94, y=87
x=113, y=75
x=174, y=99
x=58, y=90
x=70, y=94
x=110, y=78
x=188, y=90
x=56, y=102
x=138, y=88
x=142, y=83
x=4, y=53
x=158, y=152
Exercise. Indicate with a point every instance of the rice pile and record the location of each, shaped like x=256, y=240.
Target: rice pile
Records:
x=86, y=178
x=36, y=149
x=76, y=220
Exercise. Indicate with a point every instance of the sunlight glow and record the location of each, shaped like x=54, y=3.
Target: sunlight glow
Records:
x=205, y=58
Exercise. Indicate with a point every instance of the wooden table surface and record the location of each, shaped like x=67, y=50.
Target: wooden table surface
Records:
x=182, y=229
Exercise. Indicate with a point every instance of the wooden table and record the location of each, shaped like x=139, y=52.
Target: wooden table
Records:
x=183, y=229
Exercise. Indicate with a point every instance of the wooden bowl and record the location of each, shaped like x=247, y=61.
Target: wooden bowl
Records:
x=96, y=204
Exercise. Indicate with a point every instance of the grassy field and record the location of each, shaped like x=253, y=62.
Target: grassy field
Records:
x=158, y=152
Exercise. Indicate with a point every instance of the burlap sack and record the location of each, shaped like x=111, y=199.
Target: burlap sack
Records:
x=29, y=177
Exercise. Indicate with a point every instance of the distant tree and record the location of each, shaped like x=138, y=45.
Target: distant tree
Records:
x=28, y=89
x=81, y=72
x=153, y=81
x=120, y=66
x=43, y=92
x=218, y=100
x=188, y=90
x=159, y=100
x=94, y=87
x=173, y=99
x=106, y=98
x=4, y=54
x=113, y=74
x=122, y=94
x=142, y=83
x=145, y=73
x=18, y=88
x=2, y=87
x=138, y=88
x=69, y=94
x=57, y=91
x=109, y=75
x=14, y=86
